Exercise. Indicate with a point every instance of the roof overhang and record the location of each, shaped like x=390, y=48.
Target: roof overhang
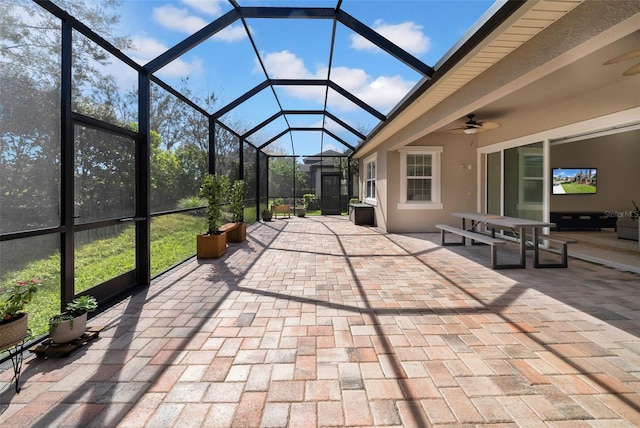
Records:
x=503, y=29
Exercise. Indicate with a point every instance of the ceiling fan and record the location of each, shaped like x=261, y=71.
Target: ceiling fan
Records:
x=472, y=126
x=624, y=57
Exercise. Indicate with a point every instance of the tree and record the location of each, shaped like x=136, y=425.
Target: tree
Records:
x=30, y=46
x=284, y=175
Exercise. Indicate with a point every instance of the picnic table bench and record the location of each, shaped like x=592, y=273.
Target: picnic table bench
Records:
x=475, y=236
x=518, y=227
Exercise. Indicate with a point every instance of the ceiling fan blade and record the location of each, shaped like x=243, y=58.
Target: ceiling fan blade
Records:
x=633, y=70
x=455, y=130
x=490, y=125
x=623, y=57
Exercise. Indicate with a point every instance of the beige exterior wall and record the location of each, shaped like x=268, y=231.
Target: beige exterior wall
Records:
x=458, y=184
x=548, y=83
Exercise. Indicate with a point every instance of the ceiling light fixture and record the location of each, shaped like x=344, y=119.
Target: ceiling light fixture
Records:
x=470, y=131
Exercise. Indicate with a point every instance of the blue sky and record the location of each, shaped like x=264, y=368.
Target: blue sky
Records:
x=299, y=48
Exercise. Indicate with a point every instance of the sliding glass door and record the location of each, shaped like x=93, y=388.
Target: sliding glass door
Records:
x=515, y=182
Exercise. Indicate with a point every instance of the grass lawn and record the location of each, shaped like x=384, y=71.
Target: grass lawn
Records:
x=578, y=188
x=173, y=239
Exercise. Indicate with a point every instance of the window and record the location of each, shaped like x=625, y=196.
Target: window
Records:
x=420, y=178
x=370, y=180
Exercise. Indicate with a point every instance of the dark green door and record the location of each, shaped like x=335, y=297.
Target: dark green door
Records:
x=330, y=194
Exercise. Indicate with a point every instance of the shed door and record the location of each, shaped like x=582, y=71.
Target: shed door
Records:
x=330, y=194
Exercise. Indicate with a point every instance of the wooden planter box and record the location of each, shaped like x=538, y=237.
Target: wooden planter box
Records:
x=211, y=246
x=236, y=232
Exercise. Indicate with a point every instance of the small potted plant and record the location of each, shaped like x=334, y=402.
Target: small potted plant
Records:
x=213, y=244
x=72, y=323
x=266, y=215
x=300, y=208
x=14, y=321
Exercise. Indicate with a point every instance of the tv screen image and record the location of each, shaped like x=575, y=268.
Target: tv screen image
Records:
x=574, y=181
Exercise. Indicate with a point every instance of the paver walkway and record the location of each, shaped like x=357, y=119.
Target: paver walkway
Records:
x=317, y=322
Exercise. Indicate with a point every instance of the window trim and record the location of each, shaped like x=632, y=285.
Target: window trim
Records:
x=373, y=158
x=436, y=160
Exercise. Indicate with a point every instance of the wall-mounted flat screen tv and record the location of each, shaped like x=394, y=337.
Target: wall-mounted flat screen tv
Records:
x=574, y=181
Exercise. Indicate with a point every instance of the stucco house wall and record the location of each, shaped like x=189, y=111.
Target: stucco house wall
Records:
x=520, y=92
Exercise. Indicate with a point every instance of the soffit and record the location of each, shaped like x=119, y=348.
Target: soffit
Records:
x=522, y=26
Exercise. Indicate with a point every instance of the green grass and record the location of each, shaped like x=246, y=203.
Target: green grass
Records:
x=173, y=239
x=578, y=188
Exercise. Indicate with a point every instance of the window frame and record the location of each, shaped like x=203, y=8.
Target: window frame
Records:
x=436, y=161
x=372, y=200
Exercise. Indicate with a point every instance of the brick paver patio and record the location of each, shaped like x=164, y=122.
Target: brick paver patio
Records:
x=317, y=322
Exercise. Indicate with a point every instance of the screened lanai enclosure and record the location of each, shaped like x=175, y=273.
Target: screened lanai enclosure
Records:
x=106, y=137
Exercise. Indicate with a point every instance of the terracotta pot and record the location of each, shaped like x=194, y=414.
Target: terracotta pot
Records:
x=69, y=330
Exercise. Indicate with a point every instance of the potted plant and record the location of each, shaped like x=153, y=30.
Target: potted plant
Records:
x=213, y=244
x=237, y=234
x=300, y=208
x=72, y=323
x=14, y=322
x=266, y=215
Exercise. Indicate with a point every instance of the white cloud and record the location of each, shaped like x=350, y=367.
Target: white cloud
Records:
x=177, y=19
x=381, y=92
x=285, y=65
x=233, y=33
x=210, y=7
x=408, y=35
x=180, y=19
x=145, y=48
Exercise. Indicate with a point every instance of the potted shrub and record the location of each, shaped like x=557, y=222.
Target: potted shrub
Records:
x=14, y=322
x=213, y=244
x=300, y=208
x=239, y=233
x=72, y=323
x=266, y=215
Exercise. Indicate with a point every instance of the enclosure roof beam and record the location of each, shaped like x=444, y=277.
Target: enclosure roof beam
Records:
x=345, y=19
x=273, y=139
x=335, y=137
x=384, y=44
x=346, y=126
x=288, y=12
x=192, y=41
x=306, y=112
x=321, y=82
x=89, y=33
x=262, y=124
x=348, y=95
x=242, y=98
x=306, y=129
x=298, y=82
